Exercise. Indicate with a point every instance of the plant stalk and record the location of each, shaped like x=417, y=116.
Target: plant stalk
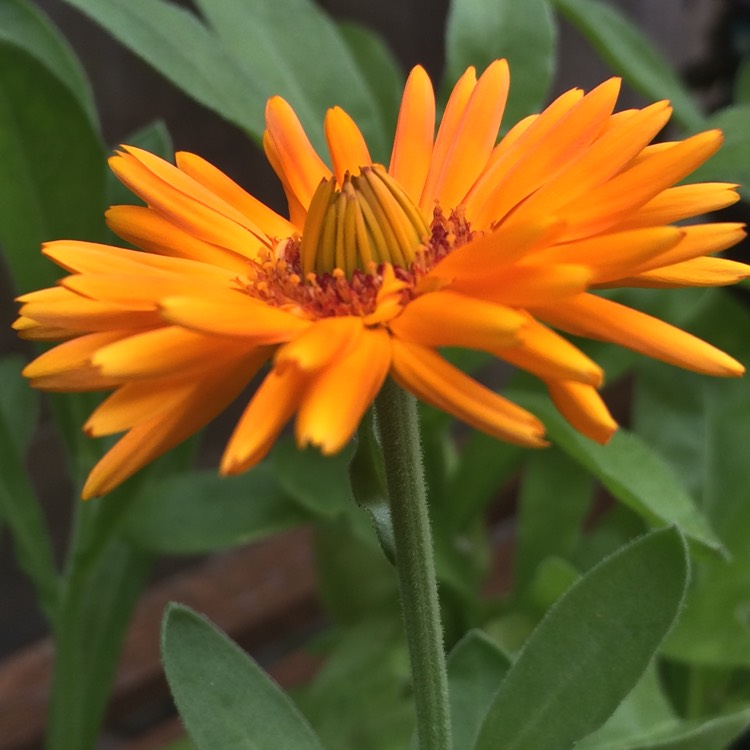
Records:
x=399, y=431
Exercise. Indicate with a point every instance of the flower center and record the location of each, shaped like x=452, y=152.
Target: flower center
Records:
x=366, y=222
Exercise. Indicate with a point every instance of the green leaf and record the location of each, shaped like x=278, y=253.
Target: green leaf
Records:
x=98, y=598
x=591, y=649
x=742, y=83
x=53, y=170
x=201, y=511
x=711, y=734
x=380, y=70
x=361, y=696
x=247, y=51
x=320, y=484
x=480, y=31
x=732, y=162
x=22, y=25
x=355, y=580
x=630, y=54
x=224, y=698
x=484, y=465
x=555, y=496
x=476, y=667
x=19, y=403
x=645, y=712
x=631, y=471
x=701, y=425
x=19, y=506
x=294, y=49
x=182, y=49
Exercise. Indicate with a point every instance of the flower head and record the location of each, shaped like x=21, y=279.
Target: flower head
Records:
x=461, y=241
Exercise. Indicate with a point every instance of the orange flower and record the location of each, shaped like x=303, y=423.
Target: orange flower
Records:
x=460, y=242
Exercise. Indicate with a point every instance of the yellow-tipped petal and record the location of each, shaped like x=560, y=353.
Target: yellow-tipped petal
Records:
x=695, y=272
x=260, y=215
x=549, y=356
x=233, y=314
x=415, y=131
x=338, y=396
x=298, y=163
x=573, y=134
x=449, y=319
x=345, y=143
x=183, y=201
x=269, y=410
x=598, y=318
x=429, y=377
x=163, y=352
x=611, y=256
x=317, y=346
x=454, y=111
x=582, y=406
x=631, y=189
x=475, y=136
x=682, y=202
x=154, y=437
x=527, y=285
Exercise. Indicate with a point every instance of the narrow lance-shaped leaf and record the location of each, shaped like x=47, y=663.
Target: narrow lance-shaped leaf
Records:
x=52, y=167
x=22, y=25
x=476, y=667
x=224, y=698
x=631, y=55
x=591, y=649
x=480, y=31
x=634, y=474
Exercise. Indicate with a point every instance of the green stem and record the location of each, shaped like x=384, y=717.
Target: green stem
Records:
x=399, y=431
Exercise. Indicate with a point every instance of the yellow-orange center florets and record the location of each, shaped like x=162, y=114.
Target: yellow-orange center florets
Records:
x=336, y=267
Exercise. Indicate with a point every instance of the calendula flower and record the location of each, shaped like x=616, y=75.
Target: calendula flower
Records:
x=460, y=241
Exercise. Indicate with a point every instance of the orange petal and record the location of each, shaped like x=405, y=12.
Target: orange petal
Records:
x=611, y=256
x=582, y=406
x=474, y=137
x=412, y=145
x=346, y=144
x=233, y=314
x=154, y=437
x=76, y=313
x=495, y=250
x=323, y=340
x=695, y=272
x=70, y=355
x=429, y=377
x=136, y=402
x=269, y=410
x=205, y=173
x=94, y=258
x=338, y=396
x=606, y=156
x=164, y=352
x=449, y=123
x=448, y=319
x=549, y=356
x=151, y=231
x=682, y=202
x=297, y=212
x=603, y=319
x=629, y=190
x=183, y=201
x=699, y=239
x=526, y=285
x=537, y=162
x=298, y=163
x=143, y=291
